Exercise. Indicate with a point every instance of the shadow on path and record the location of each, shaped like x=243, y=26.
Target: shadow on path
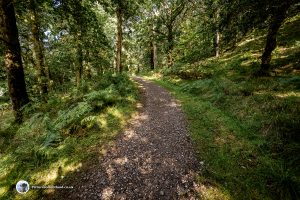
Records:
x=152, y=159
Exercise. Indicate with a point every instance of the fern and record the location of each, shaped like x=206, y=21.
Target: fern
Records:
x=72, y=115
x=89, y=121
x=52, y=139
x=99, y=99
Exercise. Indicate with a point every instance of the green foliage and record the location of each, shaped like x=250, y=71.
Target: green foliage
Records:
x=72, y=115
x=188, y=71
x=292, y=81
x=119, y=83
x=247, y=142
x=55, y=132
x=244, y=128
x=98, y=99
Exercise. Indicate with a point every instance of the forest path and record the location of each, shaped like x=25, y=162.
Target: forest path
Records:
x=152, y=159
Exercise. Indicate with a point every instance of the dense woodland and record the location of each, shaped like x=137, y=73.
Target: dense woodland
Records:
x=234, y=65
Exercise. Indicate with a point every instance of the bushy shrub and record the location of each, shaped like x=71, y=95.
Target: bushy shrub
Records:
x=121, y=82
x=65, y=117
x=103, y=97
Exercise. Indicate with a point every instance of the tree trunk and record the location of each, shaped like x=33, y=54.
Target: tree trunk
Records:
x=13, y=61
x=217, y=43
x=170, y=45
x=38, y=49
x=88, y=68
x=153, y=49
x=79, y=33
x=217, y=33
x=154, y=55
x=276, y=21
x=79, y=64
x=119, y=67
x=152, y=62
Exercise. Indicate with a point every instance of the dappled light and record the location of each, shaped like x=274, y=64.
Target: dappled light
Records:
x=279, y=94
x=212, y=192
x=237, y=119
x=137, y=164
x=247, y=41
x=144, y=99
x=288, y=94
x=107, y=193
x=121, y=161
x=54, y=154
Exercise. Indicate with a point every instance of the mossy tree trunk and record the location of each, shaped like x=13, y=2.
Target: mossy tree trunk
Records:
x=12, y=56
x=153, y=49
x=217, y=33
x=119, y=13
x=170, y=38
x=79, y=63
x=217, y=43
x=87, y=66
x=277, y=20
x=38, y=49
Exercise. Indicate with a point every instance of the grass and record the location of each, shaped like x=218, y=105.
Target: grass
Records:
x=242, y=156
x=245, y=128
x=60, y=136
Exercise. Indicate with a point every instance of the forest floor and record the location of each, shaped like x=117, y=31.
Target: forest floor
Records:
x=152, y=159
x=64, y=134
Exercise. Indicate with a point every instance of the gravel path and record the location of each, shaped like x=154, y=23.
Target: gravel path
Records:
x=152, y=159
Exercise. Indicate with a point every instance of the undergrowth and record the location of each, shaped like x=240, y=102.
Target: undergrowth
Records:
x=58, y=136
x=245, y=128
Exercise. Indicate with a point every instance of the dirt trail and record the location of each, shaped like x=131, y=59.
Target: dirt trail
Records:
x=152, y=159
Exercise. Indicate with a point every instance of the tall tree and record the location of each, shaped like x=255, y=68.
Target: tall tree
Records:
x=146, y=35
x=277, y=18
x=173, y=13
x=123, y=10
x=119, y=14
x=216, y=27
x=13, y=61
x=258, y=14
x=153, y=47
x=38, y=47
x=170, y=14
x=77, y=20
